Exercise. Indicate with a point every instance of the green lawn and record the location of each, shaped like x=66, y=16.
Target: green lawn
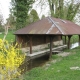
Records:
x=59, y=70
x=9, y=36
x=74, y=38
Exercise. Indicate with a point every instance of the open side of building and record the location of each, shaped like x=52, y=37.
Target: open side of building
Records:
x=46, y=31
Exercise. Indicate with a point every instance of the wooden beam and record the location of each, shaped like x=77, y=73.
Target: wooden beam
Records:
x=51, y=40
x=44, y=52
x=69, y=37
x=79, y=40
x=30, y=45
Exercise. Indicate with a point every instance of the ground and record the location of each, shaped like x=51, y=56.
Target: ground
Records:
x=63, y=66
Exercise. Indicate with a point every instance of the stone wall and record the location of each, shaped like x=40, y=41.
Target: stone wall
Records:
x=41, y=47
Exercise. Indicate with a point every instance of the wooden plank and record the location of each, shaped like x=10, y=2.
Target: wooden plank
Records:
x=44, y=52
x=56, y=51
x=60, y=47
x=37, y=54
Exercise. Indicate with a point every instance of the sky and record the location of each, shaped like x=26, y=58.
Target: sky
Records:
x=43, y=11
x=4, y=8
x=5, y=5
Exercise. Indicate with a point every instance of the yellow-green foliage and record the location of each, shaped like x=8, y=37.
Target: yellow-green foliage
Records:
x=10, y=60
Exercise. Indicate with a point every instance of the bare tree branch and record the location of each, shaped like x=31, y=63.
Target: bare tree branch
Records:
x=5, y=33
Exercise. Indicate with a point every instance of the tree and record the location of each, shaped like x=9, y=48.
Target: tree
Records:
x=11, y=58
x=72, y=11
x=1, y=19
x=1, y=22
x=62, y=8
x=11, y=21
x=34, y=15
x=58, y=9
x=43, y=16
x=20, y=8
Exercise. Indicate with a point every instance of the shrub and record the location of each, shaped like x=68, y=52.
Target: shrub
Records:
x=10, y=60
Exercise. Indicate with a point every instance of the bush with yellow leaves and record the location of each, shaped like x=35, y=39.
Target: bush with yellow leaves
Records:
x=10, y=60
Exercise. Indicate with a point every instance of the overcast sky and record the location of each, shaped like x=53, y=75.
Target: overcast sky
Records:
x=4, y=8
x=5, y=5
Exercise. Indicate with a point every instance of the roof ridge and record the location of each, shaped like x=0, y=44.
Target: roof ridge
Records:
x=56, y=25
x=63, y=21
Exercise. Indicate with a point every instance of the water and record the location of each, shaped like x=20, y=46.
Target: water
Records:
x=74, y=45
x=40, y=61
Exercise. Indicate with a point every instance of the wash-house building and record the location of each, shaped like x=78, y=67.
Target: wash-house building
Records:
x=45, y=32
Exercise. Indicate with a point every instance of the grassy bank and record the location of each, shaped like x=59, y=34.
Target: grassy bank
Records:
x=9, y=36
x=74, y=38
x=59, y=68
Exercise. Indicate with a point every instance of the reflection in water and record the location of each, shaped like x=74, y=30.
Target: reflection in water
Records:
x=40, y=61
x=28, y=65
x=74, y=45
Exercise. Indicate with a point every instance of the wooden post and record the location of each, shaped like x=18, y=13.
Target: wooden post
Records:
x=30, y=45
x=61, y=37
x=50, y=47
x=69, y=37
x=65, y=39
x=79, y=40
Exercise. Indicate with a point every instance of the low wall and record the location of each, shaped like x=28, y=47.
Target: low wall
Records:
x=41, y=47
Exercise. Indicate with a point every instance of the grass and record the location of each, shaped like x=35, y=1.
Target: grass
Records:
x=74, y=39
x=59, y=70
x=55, y=71
x=9, y=36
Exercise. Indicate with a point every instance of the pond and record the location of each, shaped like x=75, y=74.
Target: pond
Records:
x=74, y=45
x=40, y=61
